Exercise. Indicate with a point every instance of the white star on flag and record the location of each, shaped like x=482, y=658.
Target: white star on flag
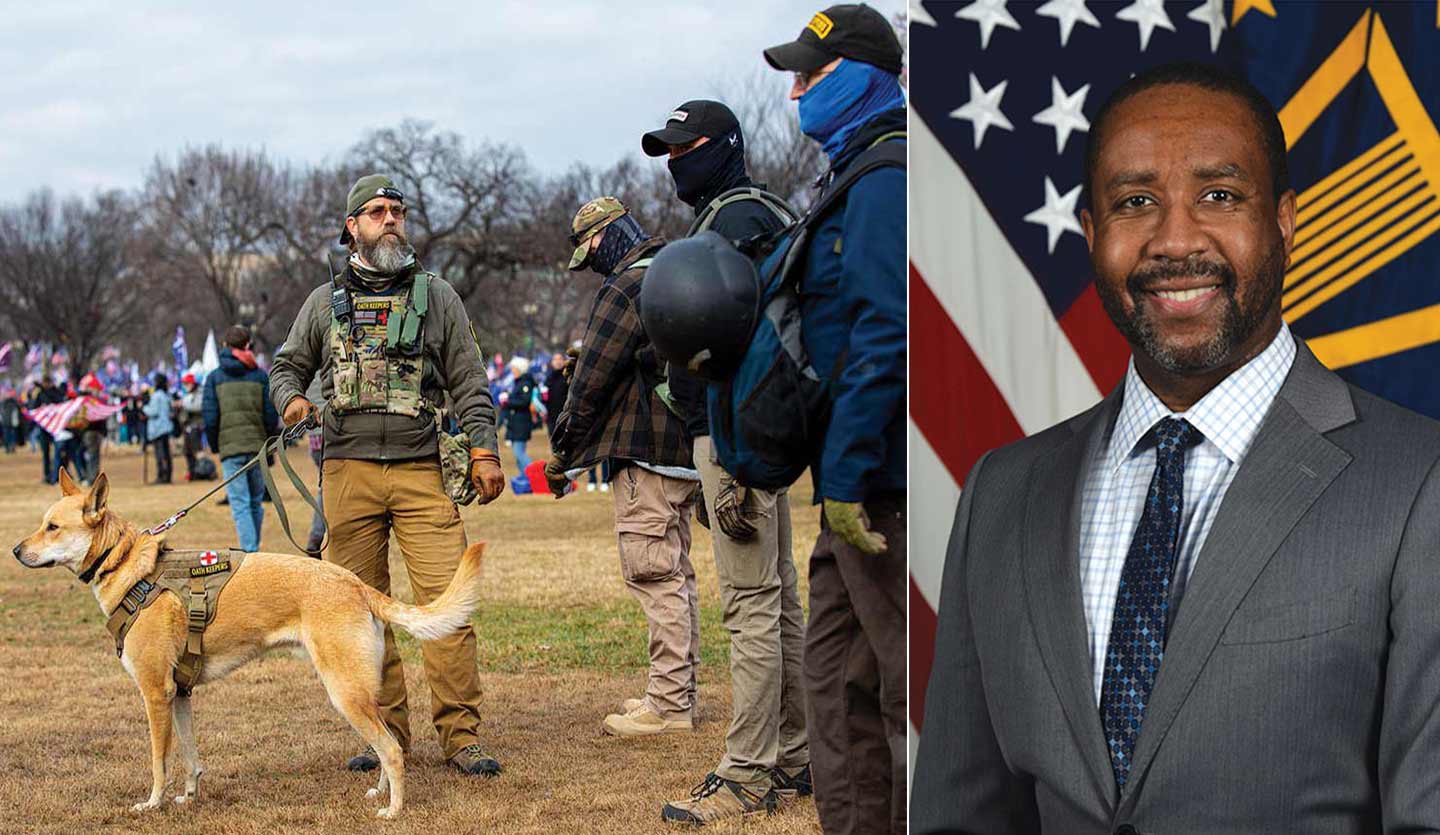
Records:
x=983, y=109
x=989, y=14
x=1057, y=215
x=1212, y=14
x=1065, y=113
x=1068, y=13
x=919, y=15
x=1147, y=14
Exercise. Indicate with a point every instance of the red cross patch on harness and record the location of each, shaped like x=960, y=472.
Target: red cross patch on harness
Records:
x=209, y=558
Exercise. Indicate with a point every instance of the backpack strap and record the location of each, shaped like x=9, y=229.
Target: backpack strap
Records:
x=776, y=204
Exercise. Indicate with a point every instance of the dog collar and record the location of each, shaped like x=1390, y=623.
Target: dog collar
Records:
x=89, y=574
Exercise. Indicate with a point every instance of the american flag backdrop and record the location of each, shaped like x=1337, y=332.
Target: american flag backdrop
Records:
x=1007, y=333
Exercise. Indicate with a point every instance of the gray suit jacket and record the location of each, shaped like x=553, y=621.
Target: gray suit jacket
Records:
x=1300, y=691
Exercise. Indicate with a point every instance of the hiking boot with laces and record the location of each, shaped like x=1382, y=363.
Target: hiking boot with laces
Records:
x=366, y=760
x=791, y=783
x=717, y=798
x=472, y=760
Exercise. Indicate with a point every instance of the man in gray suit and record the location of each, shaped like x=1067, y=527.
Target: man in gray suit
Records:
x=1210, y=604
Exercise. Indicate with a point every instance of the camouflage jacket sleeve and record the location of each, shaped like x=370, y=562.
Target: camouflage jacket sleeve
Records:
x=606, y=361
x=463, y=370
x=298, y=360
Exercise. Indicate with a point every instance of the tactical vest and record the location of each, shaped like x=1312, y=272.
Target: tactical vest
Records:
x=783, y=211
x=377, y=348
x=196, y=578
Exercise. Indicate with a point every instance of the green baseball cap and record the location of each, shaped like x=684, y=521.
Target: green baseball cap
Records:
x=592, y=217
x=367, y=188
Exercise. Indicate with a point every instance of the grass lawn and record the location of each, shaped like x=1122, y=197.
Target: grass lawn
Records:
x=561, y=643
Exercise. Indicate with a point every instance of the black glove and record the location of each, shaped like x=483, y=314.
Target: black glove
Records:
x=732, y=509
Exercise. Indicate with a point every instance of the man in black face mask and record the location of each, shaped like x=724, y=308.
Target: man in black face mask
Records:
x=707, y=160
x=767, y=755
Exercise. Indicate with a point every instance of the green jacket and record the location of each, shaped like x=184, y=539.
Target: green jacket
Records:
x=453, y=366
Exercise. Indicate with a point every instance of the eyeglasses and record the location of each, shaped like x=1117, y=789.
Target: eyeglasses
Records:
x=377, y=213
x=804, y=80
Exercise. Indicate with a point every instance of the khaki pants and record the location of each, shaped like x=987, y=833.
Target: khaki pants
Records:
x=762, y=613
x=652, y=523
x=364, y=501
x=855, y=677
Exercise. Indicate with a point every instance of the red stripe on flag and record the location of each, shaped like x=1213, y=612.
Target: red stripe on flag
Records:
x=1100, y=346
x=922, y=651
x=955, y=403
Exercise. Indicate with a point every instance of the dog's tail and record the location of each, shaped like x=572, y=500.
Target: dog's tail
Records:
x=443, y=616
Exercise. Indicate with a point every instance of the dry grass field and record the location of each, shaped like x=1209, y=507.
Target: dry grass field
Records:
x=561, y=643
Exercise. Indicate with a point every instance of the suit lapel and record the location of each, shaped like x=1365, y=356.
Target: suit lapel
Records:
x=1288, y=466
x=1052, y=585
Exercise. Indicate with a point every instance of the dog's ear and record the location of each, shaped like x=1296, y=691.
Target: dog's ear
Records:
x=96, y=498
x=67, y=486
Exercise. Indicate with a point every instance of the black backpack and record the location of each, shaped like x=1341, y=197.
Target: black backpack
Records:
x=768, y=421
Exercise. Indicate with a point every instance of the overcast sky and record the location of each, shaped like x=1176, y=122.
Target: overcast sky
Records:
x=90, y=92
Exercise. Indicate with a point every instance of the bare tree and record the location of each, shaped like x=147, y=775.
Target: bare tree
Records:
x=65, y=267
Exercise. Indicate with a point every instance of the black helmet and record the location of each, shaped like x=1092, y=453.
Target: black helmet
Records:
x=699, y=304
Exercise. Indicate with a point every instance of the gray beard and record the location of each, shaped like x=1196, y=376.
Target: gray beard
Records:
x=387, y=255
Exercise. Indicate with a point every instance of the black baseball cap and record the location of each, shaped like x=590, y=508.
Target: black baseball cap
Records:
x=852, y=30
x=689, y=122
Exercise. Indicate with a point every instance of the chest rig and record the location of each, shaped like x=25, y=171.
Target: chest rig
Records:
x=196, y=578
x=377, y=347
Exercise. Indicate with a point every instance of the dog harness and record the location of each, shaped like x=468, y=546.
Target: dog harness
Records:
x=196, y=578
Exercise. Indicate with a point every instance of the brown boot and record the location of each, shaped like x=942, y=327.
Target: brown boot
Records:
x=717, y=798
x=791, y=783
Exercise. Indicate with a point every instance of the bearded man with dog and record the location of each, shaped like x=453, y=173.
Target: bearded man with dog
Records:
x=389, y=342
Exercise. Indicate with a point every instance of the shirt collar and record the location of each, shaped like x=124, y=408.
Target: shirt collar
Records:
x=1229, y=415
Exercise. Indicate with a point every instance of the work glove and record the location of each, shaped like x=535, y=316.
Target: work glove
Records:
x=297, y=410
x=701, y=514
x=485, y=475
x=732, y=509
x=849, y=522
x=555, y=477
x=572, y=356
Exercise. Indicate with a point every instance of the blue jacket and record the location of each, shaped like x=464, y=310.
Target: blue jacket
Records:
x=853, y=303
x=157, y=411
x=236, y=407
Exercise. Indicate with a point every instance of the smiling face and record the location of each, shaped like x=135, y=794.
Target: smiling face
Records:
x=1188, y=241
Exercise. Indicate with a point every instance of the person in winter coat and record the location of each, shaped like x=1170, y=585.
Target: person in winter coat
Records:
x=522, y=411
x=846, y=66
x=238, y=416
x=159, y=426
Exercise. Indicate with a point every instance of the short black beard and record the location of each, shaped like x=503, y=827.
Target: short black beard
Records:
x=386, y=256
x=1238, y=324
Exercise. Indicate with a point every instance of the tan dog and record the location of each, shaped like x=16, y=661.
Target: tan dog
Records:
x=273, y=600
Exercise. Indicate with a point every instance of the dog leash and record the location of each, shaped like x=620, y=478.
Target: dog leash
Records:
x=275, y=444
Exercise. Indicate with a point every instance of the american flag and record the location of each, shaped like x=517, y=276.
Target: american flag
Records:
x=54, y=417
x=1007, y=333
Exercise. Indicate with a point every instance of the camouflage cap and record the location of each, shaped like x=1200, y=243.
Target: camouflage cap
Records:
x=592, y=217
x=367, y=188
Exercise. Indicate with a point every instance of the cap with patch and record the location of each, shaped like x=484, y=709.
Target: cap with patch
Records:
x=592, y=217
x=852, y=30
x=367, y=188
x=689, y=122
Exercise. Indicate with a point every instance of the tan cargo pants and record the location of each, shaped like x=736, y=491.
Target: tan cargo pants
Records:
x=652, y=523
x=364, y=502
x=766, y=623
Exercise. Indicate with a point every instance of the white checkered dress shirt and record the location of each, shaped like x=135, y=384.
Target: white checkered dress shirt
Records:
x=1119, y=477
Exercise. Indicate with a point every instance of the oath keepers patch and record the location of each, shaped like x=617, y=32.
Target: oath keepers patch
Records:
x=204, y=570
x=371, y=313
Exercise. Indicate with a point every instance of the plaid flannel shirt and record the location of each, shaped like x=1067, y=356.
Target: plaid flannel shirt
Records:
x=612, y=411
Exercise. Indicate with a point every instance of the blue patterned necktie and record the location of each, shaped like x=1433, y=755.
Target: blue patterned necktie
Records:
x=1142, y=604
